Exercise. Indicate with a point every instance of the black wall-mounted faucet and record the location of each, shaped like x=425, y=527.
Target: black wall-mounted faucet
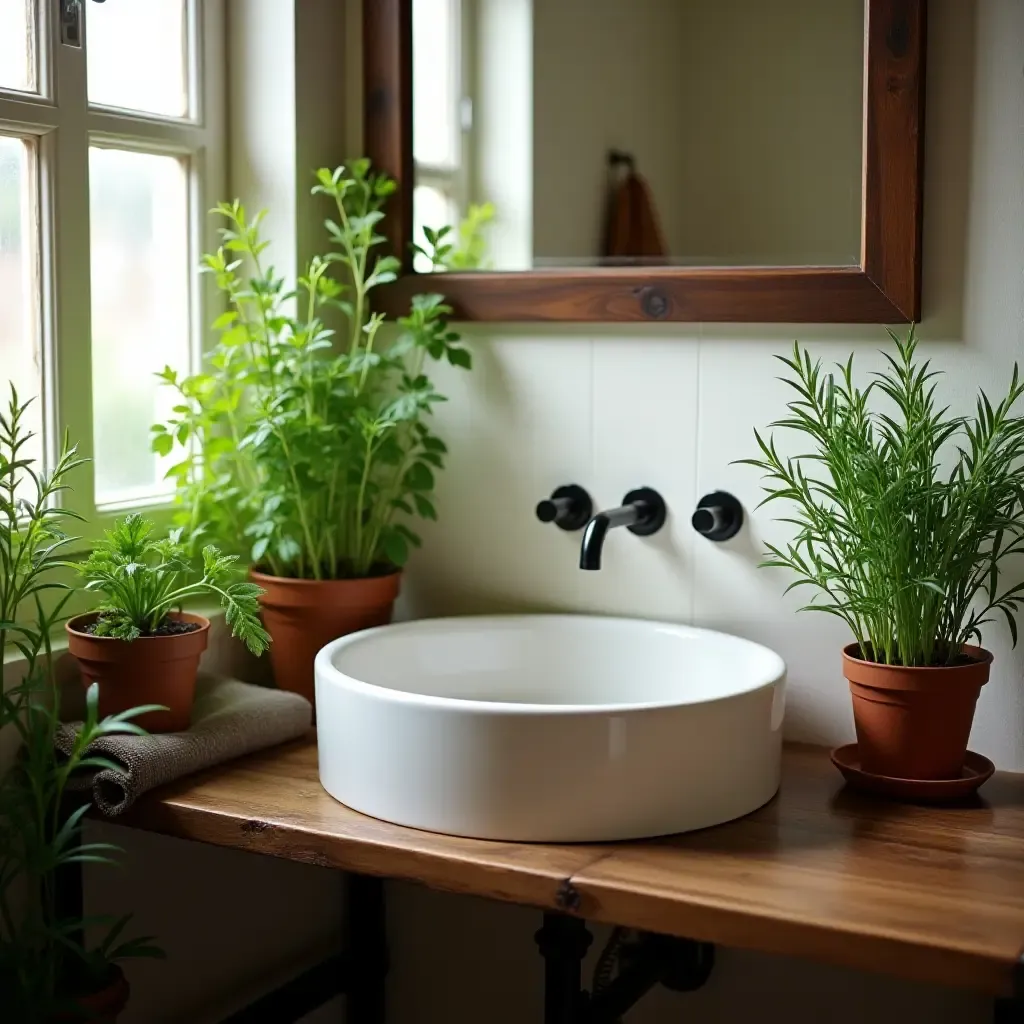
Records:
x=642, y=512
x=569, y=508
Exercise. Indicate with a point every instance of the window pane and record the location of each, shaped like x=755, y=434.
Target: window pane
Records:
x=18, y=44
x=140, y=312
x=138, y=55
x=435, y=82
x=434, y=209
x=19, y=286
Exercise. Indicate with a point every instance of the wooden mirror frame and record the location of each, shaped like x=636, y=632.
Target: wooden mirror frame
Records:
x=885, y=287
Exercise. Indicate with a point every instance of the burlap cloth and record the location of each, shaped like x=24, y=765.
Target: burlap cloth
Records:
x=229, y=719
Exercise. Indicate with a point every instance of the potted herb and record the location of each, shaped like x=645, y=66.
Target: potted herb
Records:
x=47, y=972
x=905, y=516
x=306, y=453
x=138, y=646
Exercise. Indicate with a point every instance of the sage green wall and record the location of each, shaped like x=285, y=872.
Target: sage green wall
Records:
x=745, y=118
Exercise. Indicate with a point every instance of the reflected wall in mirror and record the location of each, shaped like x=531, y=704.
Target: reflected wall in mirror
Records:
x=586, y=133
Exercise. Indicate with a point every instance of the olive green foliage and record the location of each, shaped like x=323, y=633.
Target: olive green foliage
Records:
x=143, y=578
x=904, y=514
x=42, y=958
x=305, y=453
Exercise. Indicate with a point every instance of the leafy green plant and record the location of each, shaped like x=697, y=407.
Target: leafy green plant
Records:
x=143, y=578
x=302, y=452
x=466, y=248
x=905, y=515
x=43, y=959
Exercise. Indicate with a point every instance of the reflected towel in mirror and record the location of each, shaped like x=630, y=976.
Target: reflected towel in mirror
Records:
x=633, y=230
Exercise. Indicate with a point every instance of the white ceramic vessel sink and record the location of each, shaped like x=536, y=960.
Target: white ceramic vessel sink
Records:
x=549, y=728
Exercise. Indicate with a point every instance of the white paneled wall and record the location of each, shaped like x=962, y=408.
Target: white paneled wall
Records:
x=673, y=407
x=538, y=412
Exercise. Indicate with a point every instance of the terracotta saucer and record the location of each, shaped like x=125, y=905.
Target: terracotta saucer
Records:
x=976, y=771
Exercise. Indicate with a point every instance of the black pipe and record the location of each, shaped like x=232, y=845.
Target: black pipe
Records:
x=563, y=943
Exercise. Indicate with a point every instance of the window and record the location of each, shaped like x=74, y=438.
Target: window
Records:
x=442, y=114
x=111, y=151
x=19, y=276
x=17, y=45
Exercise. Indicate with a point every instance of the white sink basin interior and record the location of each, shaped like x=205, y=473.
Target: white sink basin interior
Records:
x=549, y=728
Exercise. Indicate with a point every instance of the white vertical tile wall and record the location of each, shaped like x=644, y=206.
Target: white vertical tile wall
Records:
x=674, y=406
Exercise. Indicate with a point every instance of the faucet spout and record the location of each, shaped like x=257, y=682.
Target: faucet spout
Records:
x=597, y=529
x=642, y=512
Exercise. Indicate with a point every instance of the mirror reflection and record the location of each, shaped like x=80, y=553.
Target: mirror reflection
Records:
x=581, y=133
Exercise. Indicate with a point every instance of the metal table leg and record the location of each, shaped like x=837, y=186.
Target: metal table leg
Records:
x=563, y=943
x=367, y=950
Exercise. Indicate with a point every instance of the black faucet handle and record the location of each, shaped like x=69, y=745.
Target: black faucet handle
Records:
x=718, y=516
x=569, y=508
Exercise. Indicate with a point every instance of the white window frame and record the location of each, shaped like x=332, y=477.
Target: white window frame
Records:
x=63, y=125
x=453, y=180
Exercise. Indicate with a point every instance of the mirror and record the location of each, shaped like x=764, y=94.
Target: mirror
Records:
x=633, y=160
x=638, y=133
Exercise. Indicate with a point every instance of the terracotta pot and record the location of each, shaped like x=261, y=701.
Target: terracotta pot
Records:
x=304, y=615
x=914, y=723
x=102, y=1007
x=149, y=670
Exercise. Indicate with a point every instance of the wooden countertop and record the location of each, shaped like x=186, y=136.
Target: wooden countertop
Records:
x=820, y=872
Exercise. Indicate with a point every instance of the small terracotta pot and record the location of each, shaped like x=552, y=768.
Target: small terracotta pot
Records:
x=914, y=723
x=149, y=670
x=304, y=615
x=102, y=1007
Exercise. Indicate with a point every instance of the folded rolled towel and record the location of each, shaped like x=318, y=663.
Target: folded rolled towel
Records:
x=229, y=719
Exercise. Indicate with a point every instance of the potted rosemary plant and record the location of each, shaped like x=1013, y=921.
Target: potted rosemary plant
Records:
x=305, y=453
x=139, y=646
x=904, y=517
x=47, y=972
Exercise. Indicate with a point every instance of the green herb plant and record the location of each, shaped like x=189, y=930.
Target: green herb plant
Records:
x=43, y=958
x=904, y=514
x=463, y=249
x=305, y=452
x=143, y=578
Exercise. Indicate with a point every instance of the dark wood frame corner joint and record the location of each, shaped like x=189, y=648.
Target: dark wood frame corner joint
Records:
x=885, y=287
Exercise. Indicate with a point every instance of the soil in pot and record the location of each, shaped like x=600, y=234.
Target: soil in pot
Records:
x=159, y=669
x=914, y=722
x=100, y=1007
x=304, y=615
x=169, y=627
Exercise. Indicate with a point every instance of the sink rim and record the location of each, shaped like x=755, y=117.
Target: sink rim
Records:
x=324, y=666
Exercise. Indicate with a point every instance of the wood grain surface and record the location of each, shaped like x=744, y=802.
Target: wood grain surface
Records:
x=893, y=157
x=934, y=894
x=272, y=803
x=704, y=294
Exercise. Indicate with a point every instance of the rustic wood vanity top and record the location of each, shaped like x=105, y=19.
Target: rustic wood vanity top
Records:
x=820, y=872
